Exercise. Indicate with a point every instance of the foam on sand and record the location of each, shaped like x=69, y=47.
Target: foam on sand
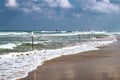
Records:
x=17, y=65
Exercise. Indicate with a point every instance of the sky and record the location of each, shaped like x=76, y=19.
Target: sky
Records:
x=101, y=15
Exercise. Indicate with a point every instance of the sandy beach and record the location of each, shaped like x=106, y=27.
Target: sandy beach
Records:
x=102, y=64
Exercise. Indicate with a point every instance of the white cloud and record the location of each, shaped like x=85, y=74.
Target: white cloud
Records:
x=65, y=4
x=28, y=7
x=11, y=3
x=58, y=3
x=33, y=8
x=107, y=1
x=104, y=6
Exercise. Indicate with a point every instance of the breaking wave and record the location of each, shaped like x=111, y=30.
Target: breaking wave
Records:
x=17, y=65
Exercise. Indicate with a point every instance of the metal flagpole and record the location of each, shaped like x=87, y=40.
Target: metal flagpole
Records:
x=32, y=40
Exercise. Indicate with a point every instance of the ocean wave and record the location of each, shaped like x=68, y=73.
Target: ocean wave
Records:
x=65, y=33
x=17, y=65
x=8, y=46
x=13, y=33
x=19, y=38
x=50, y=33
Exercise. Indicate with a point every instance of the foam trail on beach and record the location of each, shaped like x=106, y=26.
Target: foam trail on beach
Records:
x=17, y=65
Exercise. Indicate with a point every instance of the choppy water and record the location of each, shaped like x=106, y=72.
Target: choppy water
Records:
x=17, y=59
x=21, y=40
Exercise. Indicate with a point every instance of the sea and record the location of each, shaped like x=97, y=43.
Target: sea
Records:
x=23, y=51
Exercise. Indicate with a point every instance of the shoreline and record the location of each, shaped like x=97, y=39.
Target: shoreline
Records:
x=66, y=59
x=35, y=58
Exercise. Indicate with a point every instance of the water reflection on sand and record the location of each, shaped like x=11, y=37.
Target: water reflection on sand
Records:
x=95, y=65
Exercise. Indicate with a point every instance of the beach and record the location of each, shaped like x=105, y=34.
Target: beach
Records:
x=102, y=64
x=17, y=59
x=59, y=39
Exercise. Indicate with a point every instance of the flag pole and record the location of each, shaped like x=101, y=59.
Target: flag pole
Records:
x=32, y=40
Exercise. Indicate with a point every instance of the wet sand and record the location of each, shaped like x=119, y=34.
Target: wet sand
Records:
x=103, y=64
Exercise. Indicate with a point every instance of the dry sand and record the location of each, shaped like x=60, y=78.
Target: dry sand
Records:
x=103, y=64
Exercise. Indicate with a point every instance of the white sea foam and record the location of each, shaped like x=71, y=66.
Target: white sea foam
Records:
x=72, y=33
x=13, y=33
x=17, y=65
x=51, y=33
x=8, y=46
